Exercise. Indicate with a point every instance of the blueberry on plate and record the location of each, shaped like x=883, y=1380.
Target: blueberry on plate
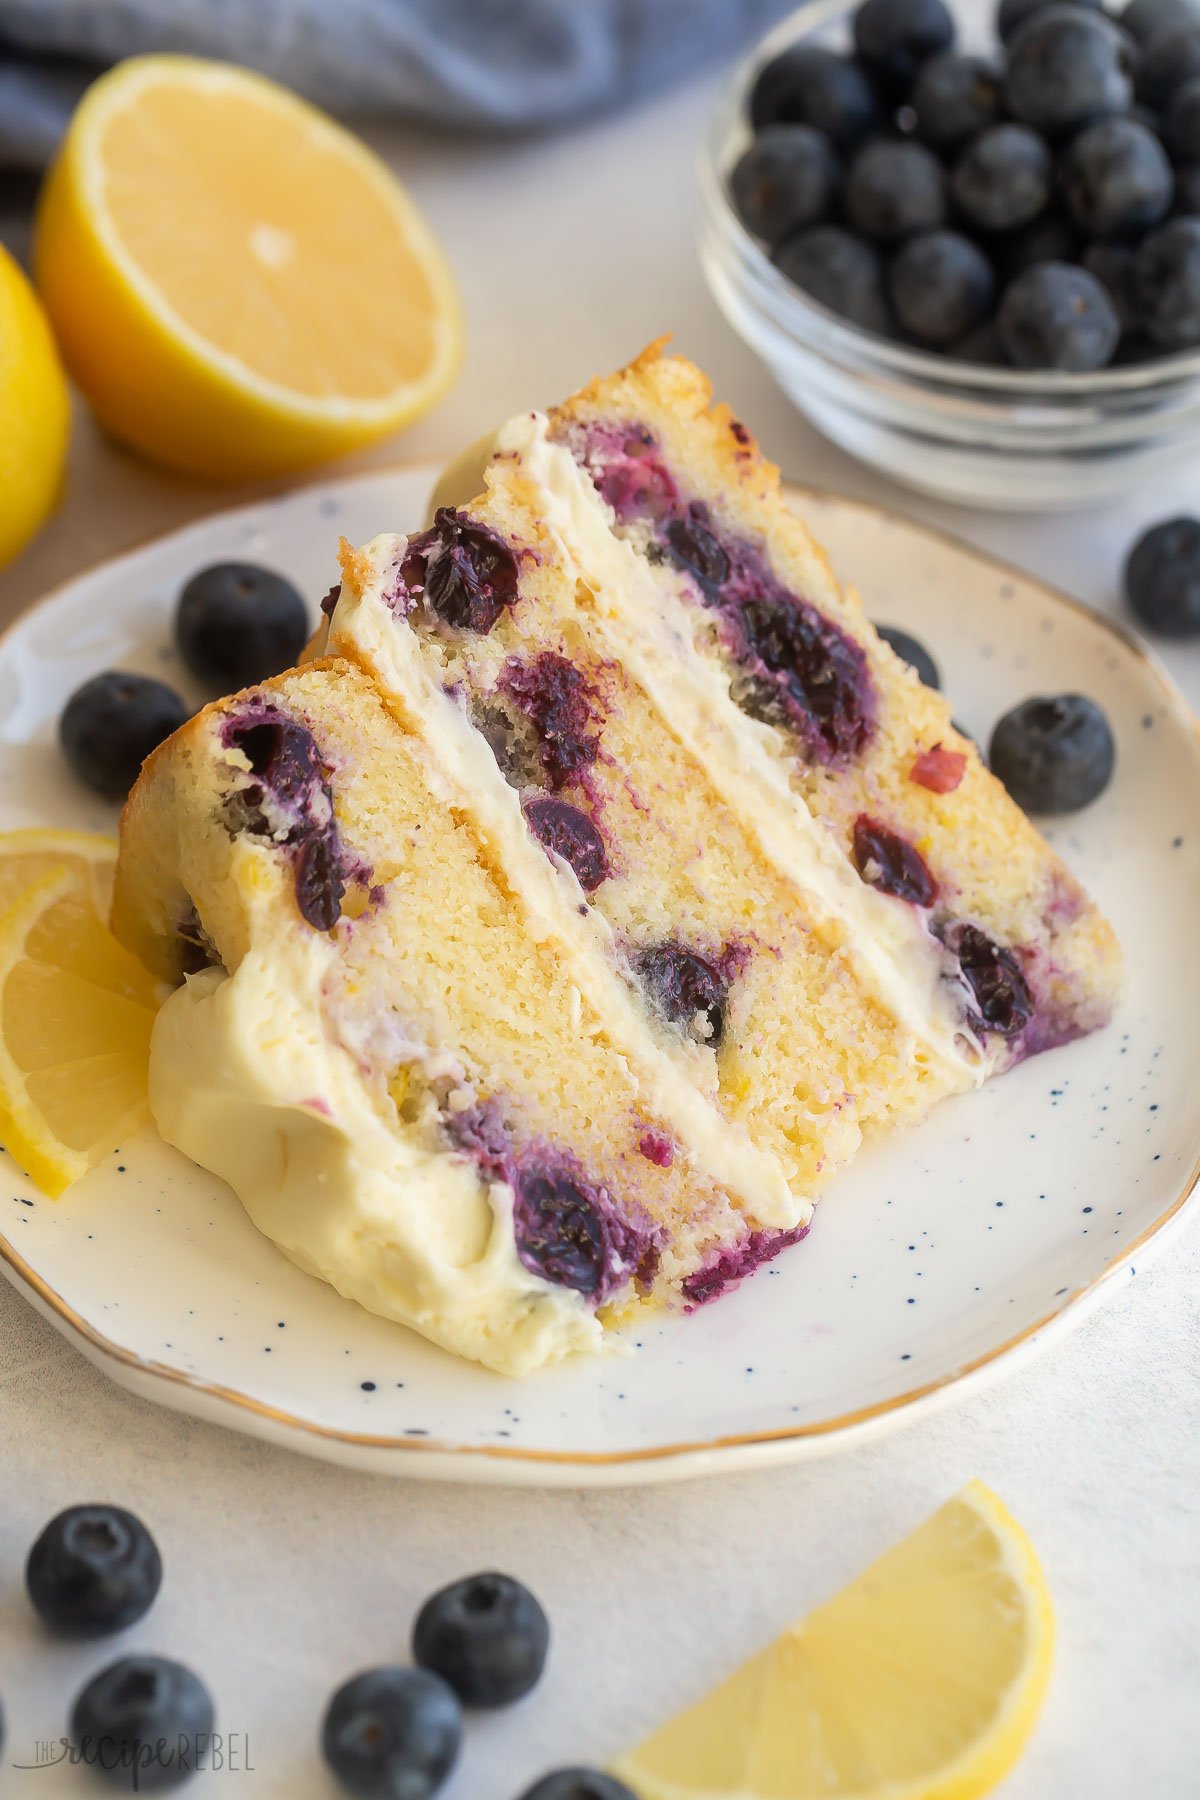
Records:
x=237, y=624
x=895, y=188
x=1170, y=61
x=1112, y=265
x=93, y=1570
x=910, y=650
x=110, y=725
x=840, y=271
x=894, y=37
x=1012, y=14
x=393, y=1734
x=1002, y=179
x=578, y=1784
x=143, y=1722
x=809, y=85
x=1052, y=238
x=1053, y=755
x=1183, y=122
x=1117, y=179
x=487, y=1636
x=1165, y=284
x=1162, y=578
x=1148, y=20
x=1057, y=316
x=953, y=98
x=942, y=286
x=1068, y=66
x=789, y=178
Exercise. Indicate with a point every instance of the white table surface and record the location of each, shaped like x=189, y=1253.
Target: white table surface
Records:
x=284, y=1575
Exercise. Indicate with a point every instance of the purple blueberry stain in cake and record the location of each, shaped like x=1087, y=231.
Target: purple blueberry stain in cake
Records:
x=567, y=831
x=686, y=989
x=1001, y=1000
x=480, y=1132
x=465, y=572
x=558, y=701
x=888, y=862
x=569, y=1231
x=797, y=669
x=657, y=1148
x=734, y=1262
x=198, y=952
x=320, y=888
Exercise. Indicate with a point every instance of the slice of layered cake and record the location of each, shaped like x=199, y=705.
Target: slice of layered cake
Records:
x=413, y=1063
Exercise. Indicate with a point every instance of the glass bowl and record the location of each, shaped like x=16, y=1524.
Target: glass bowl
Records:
x=1003, y=438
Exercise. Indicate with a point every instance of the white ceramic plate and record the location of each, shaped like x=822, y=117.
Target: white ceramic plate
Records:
x=935, y=1262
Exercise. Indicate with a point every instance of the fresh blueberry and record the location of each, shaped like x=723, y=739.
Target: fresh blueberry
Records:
x=565, y=830
x=93, y=1570
x=1187, y=191
x=1169, y=63
x=1052, y=238
x=913, y=652
x=955, y=97
x=110, y=725
x=686, y=989
x=840, y=271
x=237, y=624
x=1066, y=68
x=143, y=1723
x=942, y=286
x=894, y=37
x=578, y=1784
x=1053, y=755
x=1165, y=284
x=1112, y=264
x=1002, y=179
x=1117, y=179
x=789, y=178
x=487, y=1636
x=1055, y=316
x=809, y=85
x=895, y=188
x=1183, y=122
x=1148, y=20
x=1012, y=14
x=393, y=1734
x=1162, y=578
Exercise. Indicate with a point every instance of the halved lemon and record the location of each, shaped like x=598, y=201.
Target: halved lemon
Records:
x=239, y=286
x=76, y=1012
x=922, y=1680
x=25, y=856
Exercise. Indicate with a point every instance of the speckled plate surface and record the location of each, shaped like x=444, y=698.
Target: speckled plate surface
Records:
x=935, y=1263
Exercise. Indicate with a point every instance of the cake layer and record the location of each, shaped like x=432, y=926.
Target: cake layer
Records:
x=415, y=1065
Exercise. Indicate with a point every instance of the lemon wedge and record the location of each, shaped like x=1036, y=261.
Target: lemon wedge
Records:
x=34, y=413
x=922, y=1680
x=239, y=286
x=76, y=1011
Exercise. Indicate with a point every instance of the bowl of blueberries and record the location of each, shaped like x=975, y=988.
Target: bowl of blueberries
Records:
x=969, y=247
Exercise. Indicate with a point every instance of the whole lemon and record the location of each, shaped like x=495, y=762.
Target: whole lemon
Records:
x=34, y=413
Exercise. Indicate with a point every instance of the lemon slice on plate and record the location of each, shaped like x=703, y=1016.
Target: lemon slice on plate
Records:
x=239, y=286
x=76, y=1011
x=922, y=1680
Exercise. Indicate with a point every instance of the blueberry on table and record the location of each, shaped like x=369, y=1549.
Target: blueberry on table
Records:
x=1170, y=62
x=110, y=725
x=1056, y=316
x=1002, y=179
x=1012, y=14
x=1117, y=179
x=789, y=178
x=942, y=286
x=895, y=188
x=840, y=271
x=894, y=37
x=1067, y=67
x=578, y=1784
x=954, y=97
x=487, y=1636
x=1183, y=122
x=1165, y=285
x=913, y=652
x=94, y=1569
x=393, y=1734
x=809, y=85
x=143, y=1722
x=1053, y=755
x=1148, y=20
x=237, y=624
x=1162, y=578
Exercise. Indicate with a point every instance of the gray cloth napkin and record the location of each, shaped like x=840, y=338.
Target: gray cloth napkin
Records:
x=498, y=64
